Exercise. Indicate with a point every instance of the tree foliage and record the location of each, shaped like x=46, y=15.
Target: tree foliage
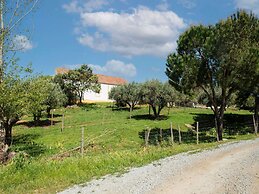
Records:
x=157, y=95
x=13, y=102
x=56, y=97
x=37, y=95
x=217, y=56
x=13, y=88
x=126, y=94
x=43, y=95
x=75, y=82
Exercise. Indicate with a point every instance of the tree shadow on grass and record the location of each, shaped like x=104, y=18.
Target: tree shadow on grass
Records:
x=57, y=115
x=187, y=137
x=149, y=117
x=124, y=109
x=25, y=142
x=233, y=123
x=88, y=106
x=41, y=123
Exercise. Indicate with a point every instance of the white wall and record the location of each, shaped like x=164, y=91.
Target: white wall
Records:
x=102, y=96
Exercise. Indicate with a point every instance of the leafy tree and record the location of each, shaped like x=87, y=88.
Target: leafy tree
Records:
x=37, y=96
x=13, y=88
x=13, y=96
x=55, y=98
x=126, y=94
x=66, y=88
x=156, y=94
x=43, y=95
x=75, y=82
x=211, y=57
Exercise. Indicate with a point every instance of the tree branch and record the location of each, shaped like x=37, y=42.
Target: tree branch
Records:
x=21, y=18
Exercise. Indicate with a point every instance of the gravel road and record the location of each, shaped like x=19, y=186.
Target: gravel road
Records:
x=230, y=168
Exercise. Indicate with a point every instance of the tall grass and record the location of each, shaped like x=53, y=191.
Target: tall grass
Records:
x=114, y=143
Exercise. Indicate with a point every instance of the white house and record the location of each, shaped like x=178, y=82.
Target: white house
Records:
x=106, y=82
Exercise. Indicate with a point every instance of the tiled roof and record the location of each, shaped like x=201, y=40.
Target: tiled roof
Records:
x=61, y=70
x=102, y=79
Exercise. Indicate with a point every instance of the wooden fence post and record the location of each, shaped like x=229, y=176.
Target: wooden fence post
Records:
x=63, y=118
x=147, y=133
x=179, y=131
x=172, y=134
x=197, y=132
x=51, y=118
x=161, y=134
x=82, y=141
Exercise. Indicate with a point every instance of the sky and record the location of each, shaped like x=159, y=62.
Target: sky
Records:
x=123, y=38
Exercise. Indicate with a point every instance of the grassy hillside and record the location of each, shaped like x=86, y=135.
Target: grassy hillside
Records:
x=113, y=143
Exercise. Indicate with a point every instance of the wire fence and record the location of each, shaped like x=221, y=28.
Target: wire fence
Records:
x=174, y=133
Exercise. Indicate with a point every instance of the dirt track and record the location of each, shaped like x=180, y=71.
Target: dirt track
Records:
x=232, y=168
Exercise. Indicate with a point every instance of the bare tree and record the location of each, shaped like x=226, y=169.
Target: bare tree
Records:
x=12, y=13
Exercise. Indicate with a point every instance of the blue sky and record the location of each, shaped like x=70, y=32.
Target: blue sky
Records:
x=125, y=38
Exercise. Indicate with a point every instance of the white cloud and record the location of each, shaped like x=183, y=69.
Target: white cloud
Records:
x=163, y=6
x=142, y=32
x=115, y=68
x=78, y=6
x=21, y=42
x=72, y=7
x=248, y=4
x=188, y=4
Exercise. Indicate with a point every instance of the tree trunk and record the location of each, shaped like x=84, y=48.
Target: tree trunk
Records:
x=48, y=112
x=219, y=127
x=36, y=118
x=8, y=134
x=154, y=110
x=219, y=114
x=159, y=110
x=80, y=97
x=256, y=113
x=1, y=40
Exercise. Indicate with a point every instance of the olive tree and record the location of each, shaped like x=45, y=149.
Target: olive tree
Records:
x=156, y=94
x=126, y=94
x=55, y=97
x=211, y=57
x=13, y=102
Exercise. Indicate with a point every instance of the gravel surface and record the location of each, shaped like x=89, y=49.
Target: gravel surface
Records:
x=230, y=168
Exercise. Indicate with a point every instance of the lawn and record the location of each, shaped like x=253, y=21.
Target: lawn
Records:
x=113, y=143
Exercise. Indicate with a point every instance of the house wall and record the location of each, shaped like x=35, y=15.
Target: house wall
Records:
x=102, y=96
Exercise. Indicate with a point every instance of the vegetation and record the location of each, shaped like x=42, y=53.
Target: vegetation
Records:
x=157, y=95
x=55, y=98
x=153, y=92
x=13, y=88
x=127, y=94
x=12, y=103
x=43, y=95
x=76, y=82
x=217, y=59
x=219, y=56
x=113, y=143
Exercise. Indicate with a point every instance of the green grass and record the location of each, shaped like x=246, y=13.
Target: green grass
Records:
x=113, y=142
